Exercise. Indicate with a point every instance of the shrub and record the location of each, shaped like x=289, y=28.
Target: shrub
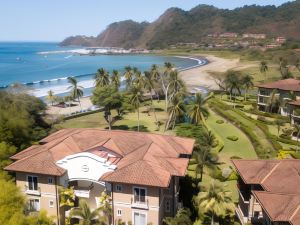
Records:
x=192, y=161
x=226, y=172
x=232, y=138
x=239, y=106
x=261, y=118
x=220, y=121
x=295, y=155
x=235, y=157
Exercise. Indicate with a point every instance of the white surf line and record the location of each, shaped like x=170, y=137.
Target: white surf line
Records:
x=201, y=62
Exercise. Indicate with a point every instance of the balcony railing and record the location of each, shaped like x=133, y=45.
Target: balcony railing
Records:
x=139, y=204
x=32, y=192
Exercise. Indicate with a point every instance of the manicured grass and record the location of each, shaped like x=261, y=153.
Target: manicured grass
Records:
x=241, y=148
x=129, y=121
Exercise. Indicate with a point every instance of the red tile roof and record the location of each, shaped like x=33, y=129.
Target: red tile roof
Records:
x=296, y=103
x=280, y=180
x=286, y=85
x=141, y=158
x=280, y=207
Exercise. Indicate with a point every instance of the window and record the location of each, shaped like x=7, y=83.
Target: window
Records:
x=32, y=183
x=119, y=212
x=167, y=205
x=119, y=188
x=50, y=180
x=51, y=203
x=139, y=218
x=139, y=195
x=34, y=205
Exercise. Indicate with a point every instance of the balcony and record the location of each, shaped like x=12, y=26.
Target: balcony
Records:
x=32, y=192
x=82, y=192
x=139, y=204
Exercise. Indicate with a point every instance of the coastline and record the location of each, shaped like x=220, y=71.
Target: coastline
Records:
x=197, y=78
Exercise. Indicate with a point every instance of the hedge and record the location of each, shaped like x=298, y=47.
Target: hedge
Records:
x=232, y=138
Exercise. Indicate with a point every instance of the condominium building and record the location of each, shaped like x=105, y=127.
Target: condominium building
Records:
x=269, y=192
x=282, y=91
x=140, y=172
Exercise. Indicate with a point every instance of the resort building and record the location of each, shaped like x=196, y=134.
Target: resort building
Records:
x=229, y=35
x=139, y=171
x=281, y=40
x=269, y=192
x=255, y=36
x=282, y=91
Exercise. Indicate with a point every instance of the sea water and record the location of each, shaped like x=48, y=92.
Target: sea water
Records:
x=20, y=62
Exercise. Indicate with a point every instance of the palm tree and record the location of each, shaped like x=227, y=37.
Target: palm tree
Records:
x=85, y=214
x=154, y=72
x=138, y=79
x=175, y=85
x=297, y=130
x=105, y=206
x=115, y=78
x=232, y=82
x=279, y=124
x=247, y=82
x=149, y=86
x=182, y=217
x=197, y=110
x=273, y=101
x=136, y=100
x=76, y=91
x=128, y=74
x=264, y=68
x=215, y=201
x=204, y=158
x=175, y=110
x=51, y=97
x=101, y=78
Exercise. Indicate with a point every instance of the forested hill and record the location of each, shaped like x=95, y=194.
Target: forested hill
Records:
x=177, y=25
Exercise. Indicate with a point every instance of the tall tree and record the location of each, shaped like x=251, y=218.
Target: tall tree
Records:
x=136, y=98
x=149, y=86
x=233, y=82
x=197, y=110
x=204, y=158
x=175, y=110
x=279, y=123
x=297, y=130
x=51, y=97
x=273, y=101
x=247, y=82
x=110, y=98
x=175, y=85
x=101, y=78
x=264, y=68
x=138, y=78
x=85, y=214
x=105, y=207
x=128, y=74
x=215, y=201
x=76, y=90
x=115, y=79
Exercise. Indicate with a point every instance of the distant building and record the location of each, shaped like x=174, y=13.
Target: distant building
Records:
x=269, y=192
x=283, y=88
x=255, y=36
x=280, y=40
x=271, y=46
x=229, y=35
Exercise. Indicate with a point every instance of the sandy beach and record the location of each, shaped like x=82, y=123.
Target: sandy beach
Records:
x=194, y=78
x=200, y=76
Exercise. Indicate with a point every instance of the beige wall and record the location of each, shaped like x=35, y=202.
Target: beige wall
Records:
x=122, y=201
x=47, y=191
x=156, y=197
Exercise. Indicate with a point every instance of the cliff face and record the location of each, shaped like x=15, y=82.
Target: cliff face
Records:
x=177, y=25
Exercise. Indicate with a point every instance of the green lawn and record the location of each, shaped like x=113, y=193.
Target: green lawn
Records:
x=129, y=121
x=241, y=148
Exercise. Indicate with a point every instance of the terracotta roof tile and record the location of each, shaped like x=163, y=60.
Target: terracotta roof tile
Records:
x=279, y=206
x=296, y=103
x=286, y=85
x=141, y=158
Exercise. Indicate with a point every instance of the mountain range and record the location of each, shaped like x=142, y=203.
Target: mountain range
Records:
x=176, y=25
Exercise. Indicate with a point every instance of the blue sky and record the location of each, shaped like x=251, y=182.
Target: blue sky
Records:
x=53, y=20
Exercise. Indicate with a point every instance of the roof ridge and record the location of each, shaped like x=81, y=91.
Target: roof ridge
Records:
x=271, y=171
x=295, y=212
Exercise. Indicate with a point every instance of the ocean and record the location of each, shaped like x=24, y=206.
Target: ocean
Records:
x=21, y=63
